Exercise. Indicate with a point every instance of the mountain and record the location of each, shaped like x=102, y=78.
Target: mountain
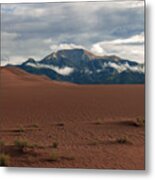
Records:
x=83, y=67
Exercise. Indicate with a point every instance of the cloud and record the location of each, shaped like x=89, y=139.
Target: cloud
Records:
x=130, y=48
x=9, y=36
x=32, y=30
x=124, y=67
x=65, y=71
x=65, y=46
x=15, y=50
x=136, y=39
x=131, y=4
x=97, y=49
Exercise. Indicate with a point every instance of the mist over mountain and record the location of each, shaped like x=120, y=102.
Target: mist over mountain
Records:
x=83, y=67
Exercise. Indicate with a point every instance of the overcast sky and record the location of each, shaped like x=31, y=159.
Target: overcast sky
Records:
x=105, y=28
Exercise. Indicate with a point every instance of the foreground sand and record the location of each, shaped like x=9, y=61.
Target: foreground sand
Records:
x=70, y=125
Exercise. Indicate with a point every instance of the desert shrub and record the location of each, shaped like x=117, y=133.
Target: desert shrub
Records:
x=21, y=144
x=2, y=146
x=4, y=159
x=140, y=121
x=98, y=122
x=33, y=145
x=60, y=124
x=69, y=158
x=2, y=143
x=93, y=143
x=53, y=156
x=55, y=145
x=122, y=140
x=35, y=125
x=21, y=129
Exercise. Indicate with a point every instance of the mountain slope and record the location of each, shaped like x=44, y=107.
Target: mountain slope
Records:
x=82, y=67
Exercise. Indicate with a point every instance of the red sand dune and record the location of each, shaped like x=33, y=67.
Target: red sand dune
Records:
x=86, y=121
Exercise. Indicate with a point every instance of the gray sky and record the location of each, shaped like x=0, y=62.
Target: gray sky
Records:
x=105, y=28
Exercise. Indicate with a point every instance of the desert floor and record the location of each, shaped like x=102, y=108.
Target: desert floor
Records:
x=44, y=123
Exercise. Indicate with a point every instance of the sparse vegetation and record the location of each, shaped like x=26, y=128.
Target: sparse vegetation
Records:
x=95, y=142
x=35, y=125
x=139, y=122
x=21, y=144
x=54, y=156
x=49, y=136
x=55, y=145
x=98, y=122
x=2, y=143
x=68, y=158
x=4, y=159
x=21, y=129
x=60, y=124
x=122, y=140
x=32, y=145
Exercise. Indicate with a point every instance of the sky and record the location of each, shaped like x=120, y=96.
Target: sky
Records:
x=104, y=28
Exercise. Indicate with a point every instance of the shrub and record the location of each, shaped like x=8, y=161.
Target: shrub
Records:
x=94, y=143
x=140, y=122
x=35, y=125
x=33, y=145
x=54, y=145
x=4, y=159
x=53, y=156
x=2, y=143
x=21, y=129
x=60, y=124
x=122, y=140
x=69, y=158
x=98, y=122
x=21, y=144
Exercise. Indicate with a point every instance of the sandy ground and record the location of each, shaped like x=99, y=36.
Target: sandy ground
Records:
x=70, y=126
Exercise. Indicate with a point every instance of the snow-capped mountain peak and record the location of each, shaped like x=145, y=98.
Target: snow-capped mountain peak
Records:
x=83, y=67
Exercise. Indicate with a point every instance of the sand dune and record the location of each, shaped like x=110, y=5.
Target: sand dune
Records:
x=15, y=76
x=85, y=121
